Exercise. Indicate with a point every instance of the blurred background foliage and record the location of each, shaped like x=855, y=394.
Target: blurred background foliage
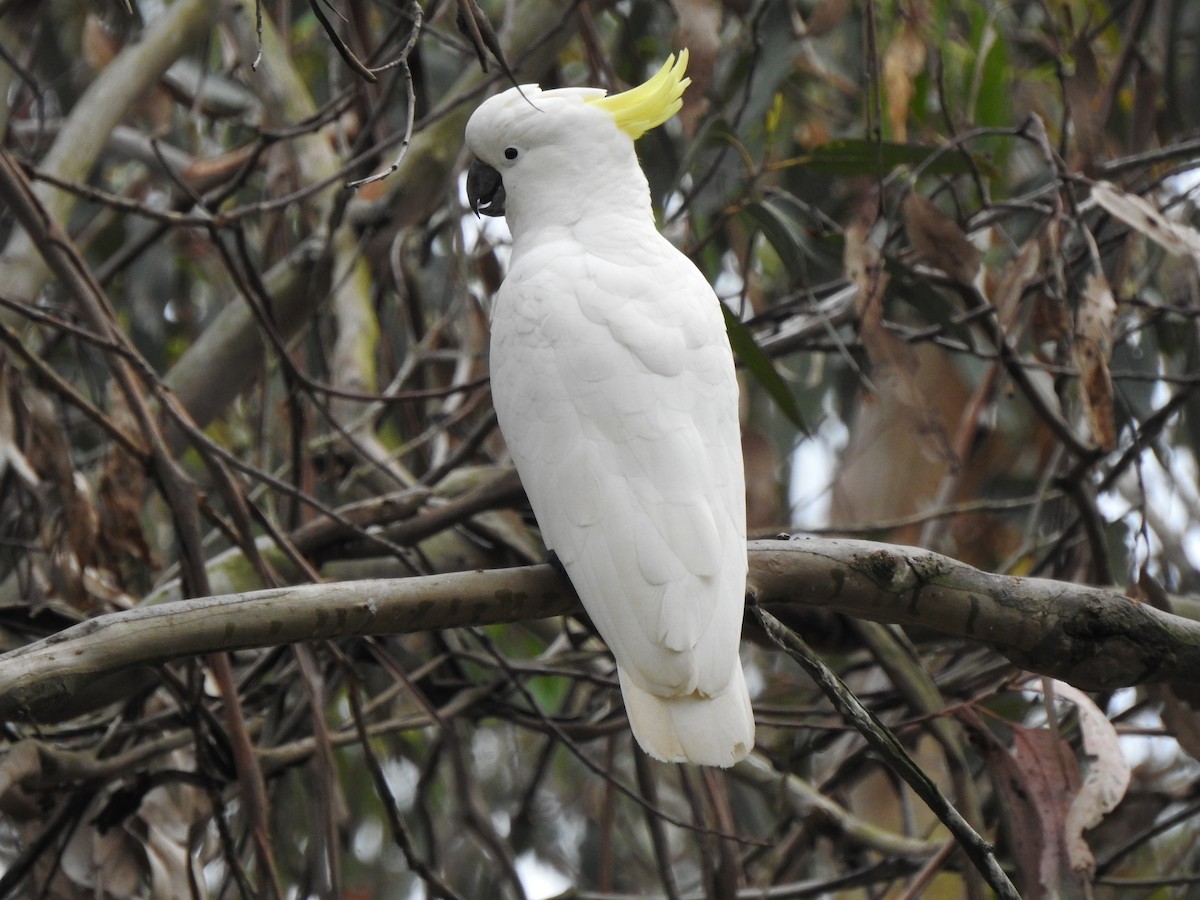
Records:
x=957, y=244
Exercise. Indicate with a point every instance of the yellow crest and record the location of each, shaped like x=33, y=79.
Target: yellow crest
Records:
x=639, y=109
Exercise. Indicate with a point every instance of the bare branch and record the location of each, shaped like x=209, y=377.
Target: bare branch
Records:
x=1092, y=638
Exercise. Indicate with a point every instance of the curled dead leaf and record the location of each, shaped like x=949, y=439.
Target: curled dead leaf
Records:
x=903, y=61
x=825, y=16
x=1085, y=99
x=864, y=266
x=205, y=174
x=1035, y=780
x=108, y=864
x=1050, y=321
x=1092, y=350
x=1105, y=782
x=894, y=362
x=1140, y=215
x=98, y=44
x=11, y=456
x=1051, y=778
x=1006, y=290
x=20, y=765
x=121, y=494
x=938, y=240
x=1180, y=716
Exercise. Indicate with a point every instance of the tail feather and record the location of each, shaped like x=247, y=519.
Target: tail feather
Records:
x=707, y=731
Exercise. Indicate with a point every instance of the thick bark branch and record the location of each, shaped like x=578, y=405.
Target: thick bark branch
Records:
x=1092, y=638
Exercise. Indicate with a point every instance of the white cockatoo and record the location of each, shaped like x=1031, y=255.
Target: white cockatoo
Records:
x=614, y=387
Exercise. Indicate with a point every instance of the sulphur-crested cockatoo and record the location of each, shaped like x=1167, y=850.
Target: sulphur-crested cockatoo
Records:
x=614, y=387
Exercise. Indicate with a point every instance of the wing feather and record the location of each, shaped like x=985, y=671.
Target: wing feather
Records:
x=613, y=383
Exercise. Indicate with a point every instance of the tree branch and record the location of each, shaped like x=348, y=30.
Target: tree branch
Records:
x=82, y=135
x=1092, y=638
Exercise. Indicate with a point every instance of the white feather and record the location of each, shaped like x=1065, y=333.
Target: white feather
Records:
x=614, y=387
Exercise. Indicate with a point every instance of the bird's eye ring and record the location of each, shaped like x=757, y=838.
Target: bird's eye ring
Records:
x=510, y=152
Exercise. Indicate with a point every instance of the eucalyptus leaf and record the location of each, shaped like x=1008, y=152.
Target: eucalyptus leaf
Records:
x=760, y=365
x=874, y=158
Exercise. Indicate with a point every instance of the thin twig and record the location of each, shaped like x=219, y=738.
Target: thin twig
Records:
x=980, y=852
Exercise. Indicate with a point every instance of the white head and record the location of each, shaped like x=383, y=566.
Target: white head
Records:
x=552, y=156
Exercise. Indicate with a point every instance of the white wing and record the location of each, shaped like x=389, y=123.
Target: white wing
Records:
x=614, y=387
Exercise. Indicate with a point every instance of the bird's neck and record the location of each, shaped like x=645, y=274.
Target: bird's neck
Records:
x=625, y=206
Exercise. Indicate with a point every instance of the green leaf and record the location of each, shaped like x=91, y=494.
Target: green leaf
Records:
x=762, y=368
x=993, y=106
x=795, y=230
x=783, y=234
x=863, y=157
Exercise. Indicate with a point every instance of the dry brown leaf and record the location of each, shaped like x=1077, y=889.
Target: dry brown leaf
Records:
x=1140, y=215
x=98, y=44
x=1092, y=351
x=1035, y=781
x=1050, y=320
x=1051, y=780
x=109, y=864
x=826, y=16
x=1149, y=87
x=81, y=519
x=863, y=263
x=1085, y=100
x=205, y=174
x=938, y=240
x=120, y=497
x=1105, y=783
x=1180, y=702
x=864, y=266
x=46, y=445
x=762, y=480
x=70, y=534
x=167, y=817
x=20, y=764
x=1181, y=718
x=903, y=61
x=894, y=362
x=1006, y=291
x=1044, y=798
x=1021, y=813
x=11, y=456
x=122, y=491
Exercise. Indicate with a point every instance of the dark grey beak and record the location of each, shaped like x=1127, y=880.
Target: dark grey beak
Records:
x=485, y=189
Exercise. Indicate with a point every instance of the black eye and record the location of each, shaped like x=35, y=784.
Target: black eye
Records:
x=510, y=152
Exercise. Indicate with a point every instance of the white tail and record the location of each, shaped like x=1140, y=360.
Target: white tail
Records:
x=706, y=731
